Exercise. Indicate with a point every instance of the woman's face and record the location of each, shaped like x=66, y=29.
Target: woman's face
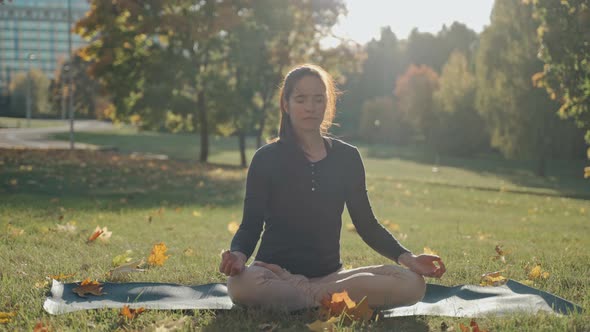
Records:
x=307, y=104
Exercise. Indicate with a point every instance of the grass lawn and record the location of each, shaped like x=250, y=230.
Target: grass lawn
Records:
x=462, y=212
x=6, y=122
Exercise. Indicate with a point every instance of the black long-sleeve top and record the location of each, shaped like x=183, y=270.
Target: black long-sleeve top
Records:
x=300, y=205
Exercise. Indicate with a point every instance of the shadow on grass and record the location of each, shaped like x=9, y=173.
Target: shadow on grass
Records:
x=240, y=319
x=562, y=176
x=108, y=180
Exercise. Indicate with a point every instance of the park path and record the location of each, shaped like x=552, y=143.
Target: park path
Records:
x=37, y=138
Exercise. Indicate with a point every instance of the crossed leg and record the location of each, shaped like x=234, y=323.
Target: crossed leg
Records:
x=270, y=286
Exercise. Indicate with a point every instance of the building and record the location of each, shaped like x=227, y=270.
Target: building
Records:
x=34, y=34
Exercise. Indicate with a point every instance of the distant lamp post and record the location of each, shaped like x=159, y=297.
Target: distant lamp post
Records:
x=31, y=57
x=65, y=91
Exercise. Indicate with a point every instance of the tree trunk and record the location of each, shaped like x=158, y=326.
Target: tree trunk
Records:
x=204, y=132
x=242, y=145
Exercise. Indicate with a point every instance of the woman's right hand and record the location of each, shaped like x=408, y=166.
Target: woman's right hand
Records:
x=232, y=263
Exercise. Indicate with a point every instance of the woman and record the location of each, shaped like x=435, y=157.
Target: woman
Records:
x=296, y=188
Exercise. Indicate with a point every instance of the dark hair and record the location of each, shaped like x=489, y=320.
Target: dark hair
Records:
x=286, y=132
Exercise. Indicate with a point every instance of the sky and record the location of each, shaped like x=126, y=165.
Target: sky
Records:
x=366, y=17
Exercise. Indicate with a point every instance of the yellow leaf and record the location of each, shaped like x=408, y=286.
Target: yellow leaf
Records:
x=350, y=228
x=537, y=273
x=586, y=172
x=158, y=255
x=492, y=279
x=321, y=326
x=196, y=213
x=5, y=317
x=429, y=251
x=233, y=227
x=61, y=276
x=189, y=252
x=123, y=258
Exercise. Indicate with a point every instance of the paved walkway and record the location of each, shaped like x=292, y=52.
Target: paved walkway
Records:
x=37, y=138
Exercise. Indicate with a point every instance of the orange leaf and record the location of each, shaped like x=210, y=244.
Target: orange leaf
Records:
x=361, y=312
x=131, y=313
x=89, y=287
x=41, y=327
x=464, y=328
x=60, y=276
x=94, y=235
x=158, y=255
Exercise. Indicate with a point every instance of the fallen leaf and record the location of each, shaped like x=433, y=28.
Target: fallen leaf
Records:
x=5, y=317
x=233, y=227
x=89, y=287
x=321, y=326
x=500, y=254
x=196, y=213
x=337, y=303
x=94, y=235
x=131, y=313
x=492, y=279
x=123, y=258
x=123, y=271
x=429, y=251
x=158, y=255
x=586, y=172
x=41, y=327
x=189, y=252
x=61, y=276
x=537, y=273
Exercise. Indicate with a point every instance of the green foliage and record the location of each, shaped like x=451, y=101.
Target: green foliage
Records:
x=19, y=89
x=564, y=35
x=460, y=130
x=415, y=97
x=382, y=122
x=518, y=116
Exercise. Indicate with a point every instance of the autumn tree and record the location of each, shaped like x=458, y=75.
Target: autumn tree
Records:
x=414, y=93
x=520, y=118
x=460, y=129
x=564, y=35
x=154, y=56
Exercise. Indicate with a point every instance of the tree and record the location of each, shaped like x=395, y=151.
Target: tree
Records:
x=414, y=92
x=38, y=83
x=518, y=116
x=564, y=36
x=381, y=122
x=461, y=129
x=153, y=56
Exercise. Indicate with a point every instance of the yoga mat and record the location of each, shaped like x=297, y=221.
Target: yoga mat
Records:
x=458, y=301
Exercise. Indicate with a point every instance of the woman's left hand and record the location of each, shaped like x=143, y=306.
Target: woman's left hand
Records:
x=424, y=264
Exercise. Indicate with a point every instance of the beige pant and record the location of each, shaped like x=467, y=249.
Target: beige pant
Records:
x=270, y=287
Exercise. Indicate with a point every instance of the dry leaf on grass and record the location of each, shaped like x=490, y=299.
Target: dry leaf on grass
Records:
x=492, y=279
x=169, y=325
x=89, y=287
x=123, y=271
x=158, y=255
x=473, y=327
x=429, y=251
x=5, y=317
x=41, y=327
x=69, y=227
x=61, y=276
x=340, y=303
x=537, y=273
x=131, y=313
